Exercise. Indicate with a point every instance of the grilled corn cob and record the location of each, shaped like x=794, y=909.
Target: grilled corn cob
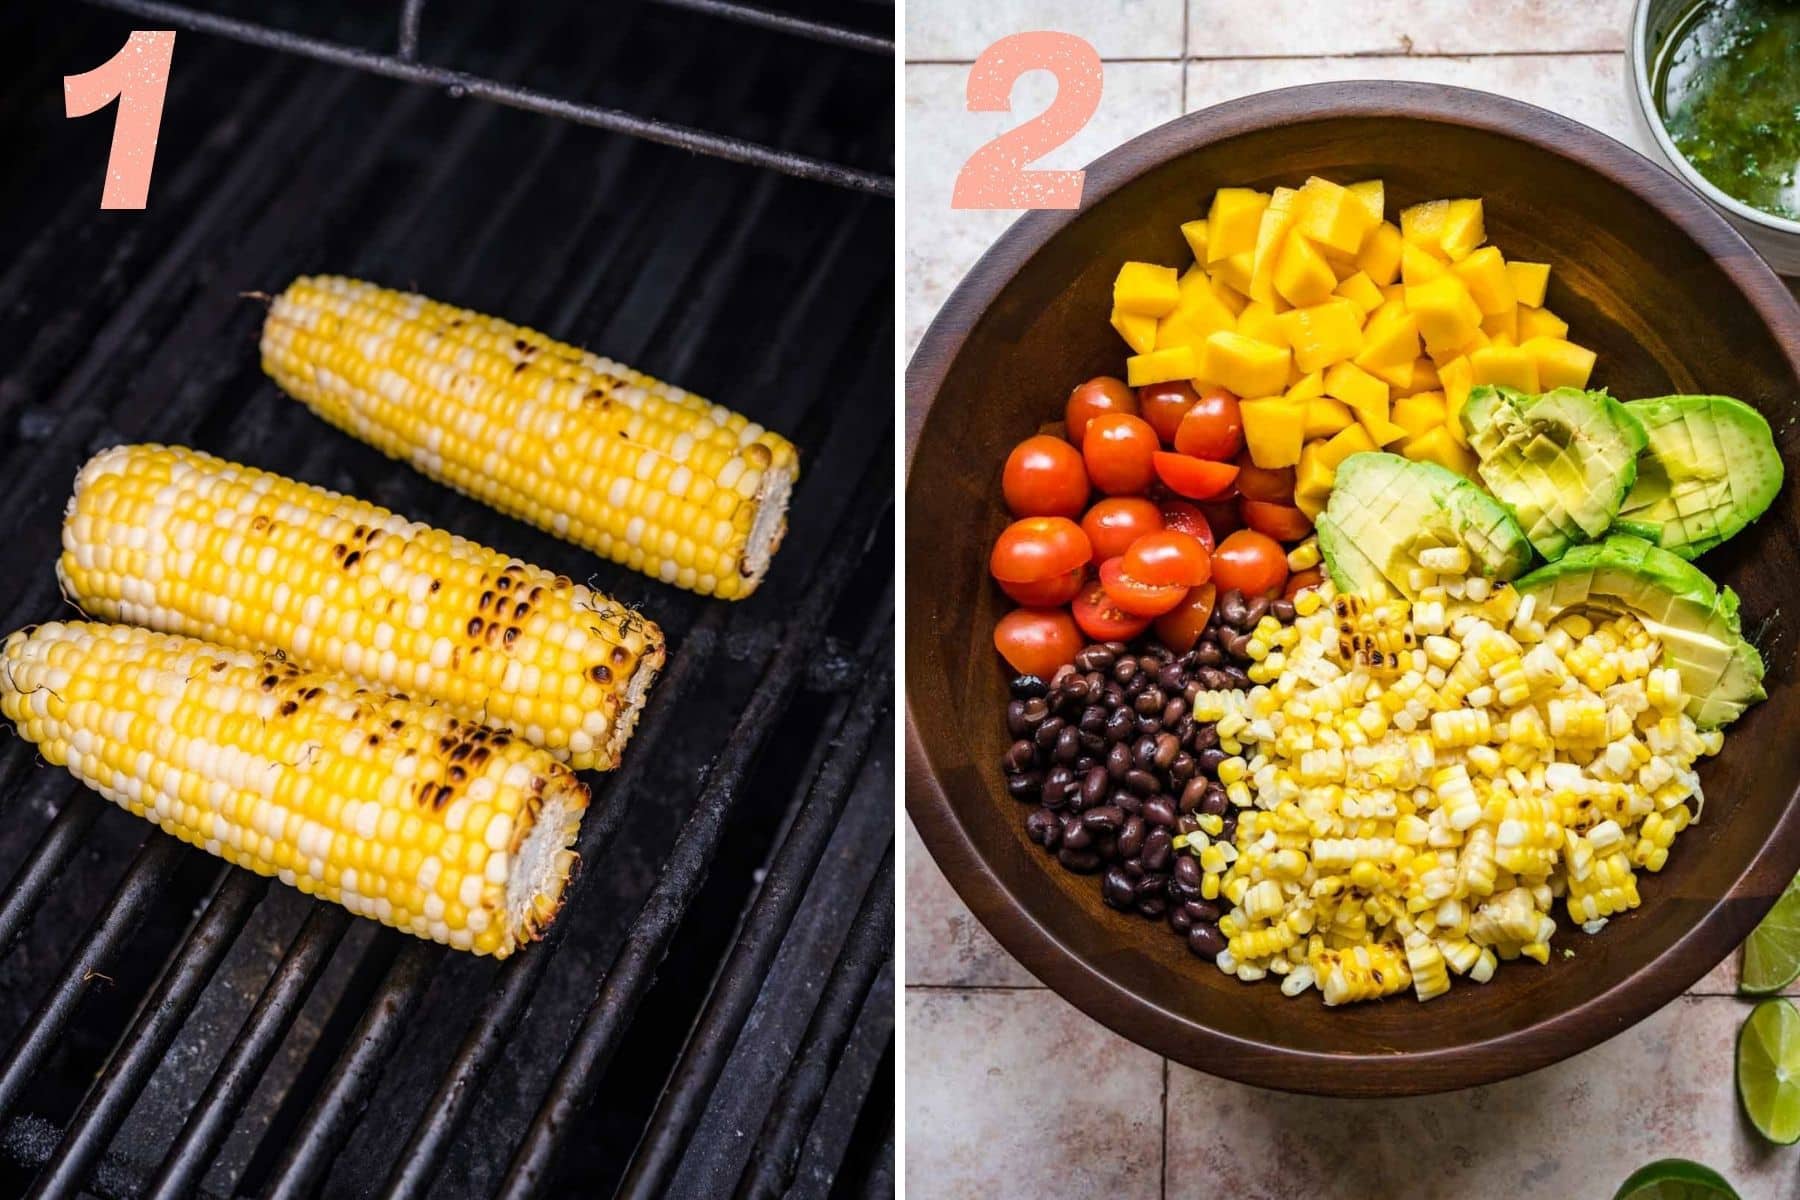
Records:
x=637, y=470
x=395, y=808
x=183, y=542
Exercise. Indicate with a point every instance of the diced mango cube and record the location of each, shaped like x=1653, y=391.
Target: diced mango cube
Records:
x=1503, y=327
x=1447, y=316
x=1390, y=345
x=1271, y=236
x=1484, y=274
x=1139, y=331
x=1360, y=290
x=1273, y=430
x=1425, y=378
x=1147, y=289
x=1379, y=257
x=1302, y=277
x=1313, y=477
x=1423, y=224
x=1457, y=380
x=1332, y=216
x=1450, y=228
x=1259, y=321
x=1353, y=440
x=1195, y=233
x=1539, y=322
x=1419, y=265
x=1367, y=397
x=1233, y=272
x=1325, y=416
x=1419, y=412
x=1438, y=446
x=1232, y=221
x=1309, y=386
x=1201, y=308
x=1559, y=363
x=1529, y=281
x=1243, y=364
x=1322, y=334
x=1161, y=366
x=1373, y=196
x=1504, y=366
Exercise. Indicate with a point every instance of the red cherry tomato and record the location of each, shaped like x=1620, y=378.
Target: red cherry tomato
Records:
x=1164, y=404
x=1300, y=581
x=1187, y=518
x=1253, y=563
x=1118, y=449
x=1045, y=477
x=1045, y=593
x=1135, y=596
x=1223, y=516
x=1101, y=619
x=1036, y=641
x=1116, y=522
x=1168, y=557
x=1283, y=522
x=1034, y=549
x=1098, y=396
x=1213, y=428
x=1195, y=478
x=1180, y=628
x=1276, y=485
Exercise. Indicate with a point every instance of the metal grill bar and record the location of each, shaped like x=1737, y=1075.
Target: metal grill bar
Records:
x=780, y=22
x=410, y=14
x=634, y=967
x=141, y=1048
x=766, y=925
x=869, y=945
x=25, y=893
x=459, y=84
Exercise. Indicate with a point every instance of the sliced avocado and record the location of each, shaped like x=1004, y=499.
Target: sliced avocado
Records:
x=1384, y=509
x=1562, y=461
x=1710, y=468
x=1697, y=624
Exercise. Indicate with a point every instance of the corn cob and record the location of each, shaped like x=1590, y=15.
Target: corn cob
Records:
x=187, y=543
x=637, y=470
x=394, y=808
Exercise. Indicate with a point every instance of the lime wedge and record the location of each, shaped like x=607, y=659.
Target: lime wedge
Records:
x=1675, y=1179
x=1772, y=951
x=1768, y=1070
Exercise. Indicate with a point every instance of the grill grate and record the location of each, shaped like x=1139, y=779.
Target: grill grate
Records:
x=174, y=1027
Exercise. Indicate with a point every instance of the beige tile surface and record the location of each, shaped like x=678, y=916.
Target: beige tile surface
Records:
x=1299, y=28
x=1575, y=1130
x=945, y=944
x=938, y=30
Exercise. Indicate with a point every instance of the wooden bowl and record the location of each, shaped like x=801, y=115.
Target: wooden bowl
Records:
x=1646, y=274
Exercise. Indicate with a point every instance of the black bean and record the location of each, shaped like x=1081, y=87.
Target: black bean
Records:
x=1096, y=658
x=1106, y=846
x=1210, y=758
x=1179, y=920
x=1027, y=686
x=1150, y=701
x=1068, y=745
x=1215, y=802
x=1200, y=910
x=1283, y=610
x=1130, y=866
x=1151, y=885
x=1206, y=654
x=1062, y=673
x=1093, y=787
x=1048, y=732
x=1105, y=819
x=1192, y=793
x=1167, y=747
x=1254, y=611
x=1057, y=785
x=1131, y=836
x=1043, y=827
x=1093, y=744
x=1125, y=670
x=1160, y=810
x=1075, y=690
x=1210, y=679
x=1129, y=803
x=1231, y=607
x=1205, y=737
x=1076, y=836
x=1143, y=752
x=1187, y=871
x=1118, y=760
x=1205, y=940
x=1115, y=888
x=1121, y=724
x=1093, y=719
x=1156, y=850
x=1019, y=756
x=1117, y=648
x=1228, y=829
x=1236, y=644
x=1015, y=719
x=1140, y=781
x=1237, y=677
x=1082, y=862
x=1149, y=724
x=1184, y=768
x=1171, y=678
x=1025, y=785
x=1174, y=712
x=1152, y=906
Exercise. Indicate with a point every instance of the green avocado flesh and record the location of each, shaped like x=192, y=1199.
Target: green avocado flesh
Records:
x=1697, y=623
x=1384, y=509
x=1562, y=461
x=1709, y=469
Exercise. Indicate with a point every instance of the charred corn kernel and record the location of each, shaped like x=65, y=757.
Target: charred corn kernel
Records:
x=397, y=809
x=636, y=470
x=1511, y=917
x=1366, y=972
x=183, y=542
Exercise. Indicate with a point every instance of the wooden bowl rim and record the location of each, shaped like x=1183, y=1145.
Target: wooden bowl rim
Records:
x=1546, y=1041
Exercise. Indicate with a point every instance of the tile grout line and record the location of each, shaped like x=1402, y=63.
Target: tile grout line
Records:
x=977, y=988
x=1163, y=1177
x=1370, y=54
x=1186, y=24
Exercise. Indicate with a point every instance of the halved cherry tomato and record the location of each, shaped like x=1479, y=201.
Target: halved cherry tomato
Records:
x=1034, y=549
x=1223, y=516
x=1045, y=593
x=1283, y=522
x=1299, y=581
x=1116, y=522
x=1118, y=449
x=1213, y=428
x=1136, y=597
x=1036, y=641
x=1180, y=628
x=1195, y=478
x=1274, y=484
x=1167, y=557
x=1101, y=619
x=1253, y=563
x=1045, y=477
x=1164, y=404
x=1187, y=518
x=1099, y=395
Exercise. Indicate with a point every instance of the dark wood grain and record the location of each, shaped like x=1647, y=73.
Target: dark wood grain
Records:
x=1670, y=297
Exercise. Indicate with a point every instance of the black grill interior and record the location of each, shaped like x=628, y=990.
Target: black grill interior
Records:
x=170, y=1023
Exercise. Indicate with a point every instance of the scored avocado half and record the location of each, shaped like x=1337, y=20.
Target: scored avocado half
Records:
x=1384, y=509
x=1696, y=622
x=1710, y=468
x=1562, y=461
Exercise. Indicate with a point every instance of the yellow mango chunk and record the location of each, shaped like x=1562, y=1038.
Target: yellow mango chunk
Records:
x=1450, y=228
x=1419, y=412
x=1502, y=328
x=1310, y=386
x=1373, y=196
x=1325, y=417
x=1419, y=265
x=1322, y=334
x=1259, y=321
x=1539, y=322
x=1313, y=478
x=1273, y=430
x=1559, y=363
x=1447, y=316
x=1146, y=289
x=1200, y=309
x=1271, y=236
x=1243, y=364
x=1139, y=331
x=1233, y=272
x=1160, y=366
x=1354, y=440
x=1379, y=257
x=1484, y=274
x=1390, y=345
x=1195, y=233
x=1529, y=281
x=1437, y=446
x=1332, y=216
x=1504, y=366
x=1457, y=380
x=1302, y=277
x=1232, y=221
x=1424, y=378
x=1423, y=224
x=1367, y=397
x=1360, y=290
